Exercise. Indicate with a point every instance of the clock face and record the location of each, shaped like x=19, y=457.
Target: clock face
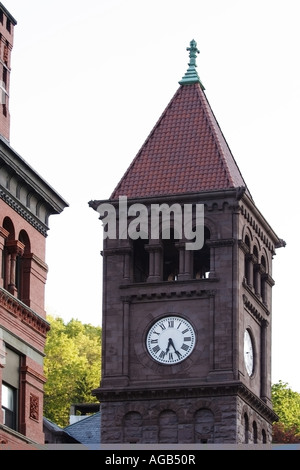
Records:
x=248, y=353
x=170, y=340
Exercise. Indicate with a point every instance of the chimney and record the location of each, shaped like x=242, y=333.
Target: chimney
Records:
x=7, y=24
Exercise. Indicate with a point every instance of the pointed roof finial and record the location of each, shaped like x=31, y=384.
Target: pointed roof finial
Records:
x=191, y=75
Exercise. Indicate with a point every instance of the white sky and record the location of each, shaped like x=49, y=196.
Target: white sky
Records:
x=89, y=81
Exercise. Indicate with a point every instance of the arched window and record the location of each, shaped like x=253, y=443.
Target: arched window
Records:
x=6, y=257
x=263, y=279
x=201, y=258
x=204, y=426
x=23, y=268
x=247, y=261
x=256, y=275
x=264, y=436
x=16, y=261
x=133, y=427
x=246, y=428
x=168, y=427
x=254, y=432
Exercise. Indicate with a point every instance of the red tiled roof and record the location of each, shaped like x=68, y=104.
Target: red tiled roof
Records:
x=185, y=152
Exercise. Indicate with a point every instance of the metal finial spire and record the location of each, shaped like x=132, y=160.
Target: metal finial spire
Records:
x=191, y=75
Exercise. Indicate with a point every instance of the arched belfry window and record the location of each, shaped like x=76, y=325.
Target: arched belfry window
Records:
x=256, y=271
x=254, y=432
x=140, y=260
x=170, y=257
x=248, y=261
x=201, y=259
x=263, y=278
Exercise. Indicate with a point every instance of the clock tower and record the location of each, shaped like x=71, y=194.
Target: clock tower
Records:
x=187, y=281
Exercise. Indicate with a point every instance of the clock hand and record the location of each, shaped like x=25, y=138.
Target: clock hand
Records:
x=175, y=350
x=170, y=343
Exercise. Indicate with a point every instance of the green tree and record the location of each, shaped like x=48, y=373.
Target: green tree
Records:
x=286, y=404
x=71, y=366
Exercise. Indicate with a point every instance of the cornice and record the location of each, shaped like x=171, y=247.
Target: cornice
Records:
x=23, y=212
x=259, y=224
x=25, y=314
x=166, y=291
x=187, y=391
x=251, y=307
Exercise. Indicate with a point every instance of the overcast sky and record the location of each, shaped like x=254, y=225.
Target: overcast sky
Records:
x=89, y=81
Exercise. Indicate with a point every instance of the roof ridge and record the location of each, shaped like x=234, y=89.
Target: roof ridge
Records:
x=84, y=418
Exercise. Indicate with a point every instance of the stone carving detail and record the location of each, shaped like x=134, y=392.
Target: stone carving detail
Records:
x=34, y=407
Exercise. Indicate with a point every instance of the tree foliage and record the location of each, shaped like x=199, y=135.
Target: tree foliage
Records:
x=72, y=367
x=286, y=404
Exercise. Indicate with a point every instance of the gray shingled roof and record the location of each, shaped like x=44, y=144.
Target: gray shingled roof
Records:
x=87, y=430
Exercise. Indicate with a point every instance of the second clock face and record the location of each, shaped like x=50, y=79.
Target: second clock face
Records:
x=248, y=353
x=170, y=340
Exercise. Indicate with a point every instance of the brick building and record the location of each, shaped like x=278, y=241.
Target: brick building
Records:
x=186, y=333
x=26, y=202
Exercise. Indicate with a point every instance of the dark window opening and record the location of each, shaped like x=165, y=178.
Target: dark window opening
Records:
x=201, y=265
x=247, y=260
x=254, y=432
x=4, y=76
x=246, y=428
x=170, y=258
x=263, y=279
x=8, y=25
x=140, y=260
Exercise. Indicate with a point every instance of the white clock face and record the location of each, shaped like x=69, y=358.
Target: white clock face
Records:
x=170, y=340
x=248, y=353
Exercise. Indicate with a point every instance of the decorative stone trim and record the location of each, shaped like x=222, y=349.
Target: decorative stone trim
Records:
x=269, y=280
x=255, y=312
x=257, y=229
x=34, y=407
x=19, y=208
x=199, y=392
x=146, y=296
x=29, y=372
x=221, y=242
x=21, y=311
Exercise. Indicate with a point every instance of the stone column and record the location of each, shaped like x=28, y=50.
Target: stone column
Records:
x=184, y=261
x=15, y=248
x=155, y=261
x=3, y=236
